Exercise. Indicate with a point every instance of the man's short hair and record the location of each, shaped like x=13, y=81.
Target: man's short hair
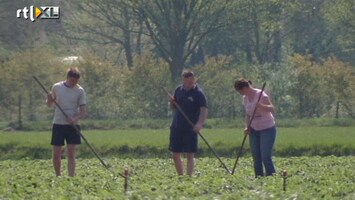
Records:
x=187, y=74
x=73, y=73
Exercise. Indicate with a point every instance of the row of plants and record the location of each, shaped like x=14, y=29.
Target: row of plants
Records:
x=307, y=178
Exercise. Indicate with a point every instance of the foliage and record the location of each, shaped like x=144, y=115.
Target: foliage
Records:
x=177, y=27
x=103, y=83
x=307, y=88
x=156, y=179
x=339, y=79
x=217, y=79
x=341, y=19
x=114, y=29
x=17, y=84
x=307, y=28
x=144, y=94
x=279, y=83
x=249, y=30
x=299, y=87
x=317, y=87
x=297, y=47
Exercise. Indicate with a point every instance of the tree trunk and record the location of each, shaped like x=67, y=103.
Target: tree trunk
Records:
x=177, y=60
x=31, y=114
x=249, y=53
x=277, y=47
x=176, y=67
x=20, y=113
x=128, y=51
x=127, y=39
x=337, y=110
x=256, y=33
x=139, y=39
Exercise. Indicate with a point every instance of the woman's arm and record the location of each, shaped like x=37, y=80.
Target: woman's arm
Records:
x=266, y=105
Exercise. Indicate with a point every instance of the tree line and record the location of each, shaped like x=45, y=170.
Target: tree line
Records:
x=128, y=49
x=299, y=87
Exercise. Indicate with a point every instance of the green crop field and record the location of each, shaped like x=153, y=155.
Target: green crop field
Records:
x=320, y=161
x=310, y=178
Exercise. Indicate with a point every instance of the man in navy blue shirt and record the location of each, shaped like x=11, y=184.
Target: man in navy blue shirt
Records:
x=184, y=137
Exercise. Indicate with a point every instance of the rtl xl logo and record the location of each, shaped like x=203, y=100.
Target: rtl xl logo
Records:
x=42, y=12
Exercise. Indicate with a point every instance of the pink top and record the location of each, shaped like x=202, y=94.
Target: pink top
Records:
x=262, y=119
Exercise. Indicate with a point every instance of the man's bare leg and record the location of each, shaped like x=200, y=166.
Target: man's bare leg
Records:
x=190, y=163
x=71, y=159
x=57, y=154
x=178, y=163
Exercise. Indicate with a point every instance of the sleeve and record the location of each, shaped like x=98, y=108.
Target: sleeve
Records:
x=54, y=91
x=175, y=94
x=264, y=96
x=202, y=100
x=82, y=98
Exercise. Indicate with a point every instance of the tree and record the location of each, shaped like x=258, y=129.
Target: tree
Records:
x=318, y=86
x=10, y=25
x=17, y=82
x=19, y=33
x=144, y=96
x=307, y=88
x=217, y=78
x=103, y=84
x=177, y=27
x=339, y=80
x=104, y=22
x=340, y=17
x=308, y=29
x=256, y=32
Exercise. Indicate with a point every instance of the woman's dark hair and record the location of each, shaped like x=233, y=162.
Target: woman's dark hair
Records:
x=242, y=83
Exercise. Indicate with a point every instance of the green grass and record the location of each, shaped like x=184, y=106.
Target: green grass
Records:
x=153, y=143
x=212, y=123
x=300, y=137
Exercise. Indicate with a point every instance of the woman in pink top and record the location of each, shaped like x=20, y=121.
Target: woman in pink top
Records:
x=262, y=132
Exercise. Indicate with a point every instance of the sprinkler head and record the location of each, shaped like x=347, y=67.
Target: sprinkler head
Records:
x=284, y=173
x=125, y=171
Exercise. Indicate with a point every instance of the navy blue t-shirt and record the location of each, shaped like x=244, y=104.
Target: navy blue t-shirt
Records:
x=190, y=102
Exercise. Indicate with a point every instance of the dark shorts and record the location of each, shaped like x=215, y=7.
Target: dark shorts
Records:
x=65, y=132
x=183, y=141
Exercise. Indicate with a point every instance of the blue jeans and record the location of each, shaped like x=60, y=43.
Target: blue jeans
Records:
x=261, y=144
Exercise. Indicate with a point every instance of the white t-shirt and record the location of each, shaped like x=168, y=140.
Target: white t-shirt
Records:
x=262, y=119
x=69, y=99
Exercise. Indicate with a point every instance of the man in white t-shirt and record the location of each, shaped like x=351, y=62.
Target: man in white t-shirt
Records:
x=71, y=97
